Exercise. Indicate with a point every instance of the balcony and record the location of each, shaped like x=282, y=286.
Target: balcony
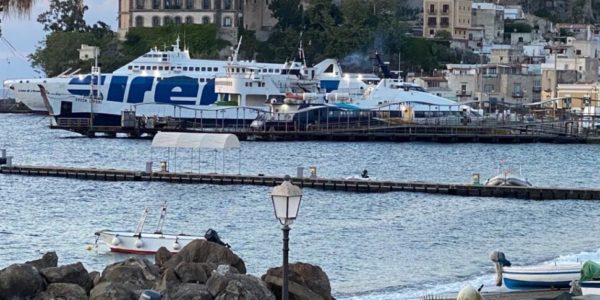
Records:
x=537, y=89
x=517, y=94
x=463, y=93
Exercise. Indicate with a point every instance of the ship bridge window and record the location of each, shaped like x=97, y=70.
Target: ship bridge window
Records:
x=203, y=69
x=160, y=68
x=215, y=69
x=264, y=70
x=270, y=70
x=185, y=68
x=197, y=69
x=201, y=79
x=154, y=68
x=142, y=67
x=329, y=69
x=130, y=67
x=276, y=70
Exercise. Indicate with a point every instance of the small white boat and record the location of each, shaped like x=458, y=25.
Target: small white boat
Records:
x=363, y=176
x=532, y=277
x=507, y=178
x=139, y=242
x=591, y=287
x=545, y=276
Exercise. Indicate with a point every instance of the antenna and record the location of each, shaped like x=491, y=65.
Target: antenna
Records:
x=237, y=49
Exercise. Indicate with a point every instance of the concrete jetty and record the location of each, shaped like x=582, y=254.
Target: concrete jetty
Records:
x=365, y=186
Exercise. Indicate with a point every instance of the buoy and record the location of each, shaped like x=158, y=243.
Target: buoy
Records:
x=89, y=247
x=139, y=243
x=115, y=241
x=176, y=245
x=469, y=293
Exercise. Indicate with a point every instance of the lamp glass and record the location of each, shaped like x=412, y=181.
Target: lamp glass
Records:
x=286, y=208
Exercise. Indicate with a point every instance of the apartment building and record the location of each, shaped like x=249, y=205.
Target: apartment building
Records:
x=453, y=16
x=226, y=14
x=489, y=17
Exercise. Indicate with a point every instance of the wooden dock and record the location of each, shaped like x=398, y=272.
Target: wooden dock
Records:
x=535, y=193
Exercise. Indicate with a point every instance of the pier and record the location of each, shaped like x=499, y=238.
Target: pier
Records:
x=363, y=186
x=445, y=132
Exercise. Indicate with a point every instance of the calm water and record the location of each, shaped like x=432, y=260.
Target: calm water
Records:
x=372, y=246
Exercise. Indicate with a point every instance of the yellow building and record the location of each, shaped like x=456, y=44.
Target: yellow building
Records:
x=580, y=94
x=453, y=16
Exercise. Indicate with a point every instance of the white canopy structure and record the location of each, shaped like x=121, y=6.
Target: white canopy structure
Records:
x=195, y=140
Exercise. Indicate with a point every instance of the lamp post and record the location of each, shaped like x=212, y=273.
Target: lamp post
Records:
x=286, y=203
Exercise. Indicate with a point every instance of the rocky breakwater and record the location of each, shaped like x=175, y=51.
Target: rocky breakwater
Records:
x=202, y=270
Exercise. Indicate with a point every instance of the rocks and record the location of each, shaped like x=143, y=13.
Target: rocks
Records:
x=66, y=291
x=162, y=256
x=305, y=281
x=191, y=291
x=230, y=286
x=203, y=251
x=111, y=291
x=202, y=271
x=20, y=281
x=49, y=260
x=73, y=273
x=134, y=273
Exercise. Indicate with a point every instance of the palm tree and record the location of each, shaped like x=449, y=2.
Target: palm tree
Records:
x=18, y=6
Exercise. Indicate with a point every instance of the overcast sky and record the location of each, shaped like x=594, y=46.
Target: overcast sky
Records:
x=24, y=33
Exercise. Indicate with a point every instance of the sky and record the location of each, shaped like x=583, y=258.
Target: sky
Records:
x=24, y=33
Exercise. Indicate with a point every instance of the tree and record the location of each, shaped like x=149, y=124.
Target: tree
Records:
x=289, y=13
x=443, y=35
x=65, y=16
x=20, y=6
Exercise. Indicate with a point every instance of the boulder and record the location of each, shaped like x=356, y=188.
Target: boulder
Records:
x=49, y=260
x=95, y=277
x=169, y=281
x=191, y=291
x=73, y=273
x=203, y=251
x=111, y=291
x=162, y=256
x=134, y=273
x=189, y=272
x=63, y=291
x=306, y=281
x=20, y=281
x=230, y=286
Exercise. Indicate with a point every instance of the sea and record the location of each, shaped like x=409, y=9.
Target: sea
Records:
x=396, y=245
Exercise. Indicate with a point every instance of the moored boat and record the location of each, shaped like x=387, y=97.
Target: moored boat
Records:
x=507, y=177
x=534, y=277
x=139, y=242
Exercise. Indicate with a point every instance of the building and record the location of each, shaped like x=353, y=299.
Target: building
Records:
x=577, y=93
x=453, y=16
x=437, y=85
x=490, y=17
x=258, y=18
x=226, y=14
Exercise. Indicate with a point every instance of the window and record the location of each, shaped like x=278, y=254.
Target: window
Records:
x=431, y=32
x=432, y=8
x=167, y=20
x=155, y=21
x=139, y=4
x=444, y=22
x=155, y=4
x=154, y=68
x=168, y=4
x=139, y=21
x=189, y=4
x=203, y=69
x=226, y=4
x=205, y=20
x=206, y=4
x=189, y=20
x=215, y=69
x=578, y=52
x=520, y=39
x=445, y=8
x=227, y=22
x=431, y=21
x=197, y=69
x=143, y=68
x=488, y=88
x=185, y=68
x=517, y=88
x=160, y=68
x=178, y=20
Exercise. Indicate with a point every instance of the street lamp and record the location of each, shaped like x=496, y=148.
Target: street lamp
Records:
x=286, y=203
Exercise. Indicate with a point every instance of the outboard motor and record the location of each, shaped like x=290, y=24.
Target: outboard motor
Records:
x=212, y=236
x=499, y=261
